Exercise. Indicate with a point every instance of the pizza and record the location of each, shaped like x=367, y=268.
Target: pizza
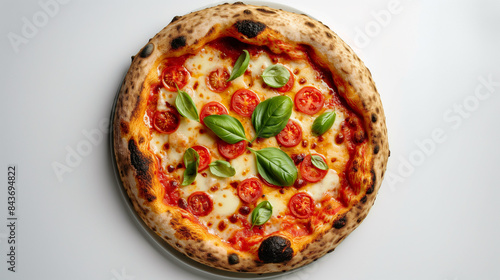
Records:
x=250, y=139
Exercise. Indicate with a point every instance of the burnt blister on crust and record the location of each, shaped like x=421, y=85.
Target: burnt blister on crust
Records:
x=233, y=259
x=250, y=28
x=178, y=42
x=340, y=223
x=147, y=50
x=275, y=249
x=141, y=165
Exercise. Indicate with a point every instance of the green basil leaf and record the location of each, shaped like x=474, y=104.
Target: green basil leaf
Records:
x=319, y=162
x=271, y=116
x=185, y=105
x=323, y=123
x=191, y=162
x=262, y=213
x=222, y=168
x=275, y=166
x=276, y=76
x=228, y=128
x=240, y=66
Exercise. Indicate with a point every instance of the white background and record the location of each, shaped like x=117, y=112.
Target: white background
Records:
x=437, y=212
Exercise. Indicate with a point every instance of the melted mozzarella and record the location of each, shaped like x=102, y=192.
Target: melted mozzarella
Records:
x=329, y=183
x=226, y=202
x=225, y=198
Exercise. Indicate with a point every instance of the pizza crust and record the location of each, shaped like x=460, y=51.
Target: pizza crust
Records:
x=251, y=24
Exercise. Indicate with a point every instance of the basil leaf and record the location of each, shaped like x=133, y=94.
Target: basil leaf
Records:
x=191, y=162
x=262, y=213
x=222, y=168
x=275, y=166
x=228, y=128
x=271, y=116
x=276, y=76
x=185, y=105
x=318, y=162
x=323, y=123
x=240, y=66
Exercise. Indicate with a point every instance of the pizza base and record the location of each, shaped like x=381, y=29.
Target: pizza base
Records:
x=249, y=24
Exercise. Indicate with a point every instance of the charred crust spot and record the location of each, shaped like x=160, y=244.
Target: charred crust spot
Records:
x=310, y=24
x=210, y=31
x=233, y=259
x=178, y=42
x=275, y=249
x=238, y=3
x=328, y=34
x=211, y=257
x=331, y=250
x=265, y=11
x=363, y=199
x=175, y=18
x=374, y=118
x=147, y=50
x=372, y=187
x=250, y=28
x=376, y=149
x=141, y=164
x=340, y=223
x=247, y=12
x=124, y=128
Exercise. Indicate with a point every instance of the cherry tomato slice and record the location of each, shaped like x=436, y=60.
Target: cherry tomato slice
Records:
x=231, y=151
x=309, y=100
x=217, y=80
x=173, y=75
x=310, y=172
x=166, y=121
x=249, y=190
x=244, y=101
x=301, y=205
x=291, y=135
x=200, y=204
x=212, y=108
x=289, y=85
x=205, y=157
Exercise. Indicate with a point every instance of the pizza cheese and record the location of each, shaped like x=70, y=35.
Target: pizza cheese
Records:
x=245, y=149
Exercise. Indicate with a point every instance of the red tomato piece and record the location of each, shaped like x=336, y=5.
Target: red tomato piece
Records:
x=217, y=80
x=200, y=204
x=309, y=100
x=205, y=157
x=212, y=108
x=289, y=85
x=291, y=135
x=301, y=205
x=249, y=190
x=166, y=121
x=175, y=75
x=231, y=151
x=244, y=101
x=310, y=172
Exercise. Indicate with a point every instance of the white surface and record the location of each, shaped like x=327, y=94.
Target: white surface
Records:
x=436, y=216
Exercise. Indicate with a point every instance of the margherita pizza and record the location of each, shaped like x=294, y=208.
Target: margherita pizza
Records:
x=250, y=139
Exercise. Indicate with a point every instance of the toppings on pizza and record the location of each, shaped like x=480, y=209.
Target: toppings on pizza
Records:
x=291, y=135
x=217, y=80
x=166, y=121
x=244, y=101
x=309, y=100
x=247, y=146
x=249, y=190
x=301, y=205
x=212, y=108
x=174, y=76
